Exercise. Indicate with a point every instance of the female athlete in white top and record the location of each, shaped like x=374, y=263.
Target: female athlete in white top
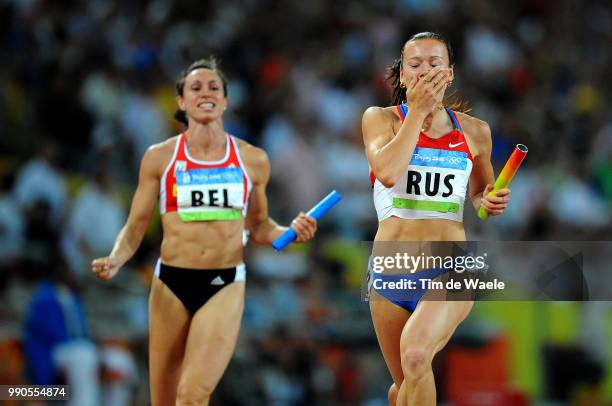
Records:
x=422, y=156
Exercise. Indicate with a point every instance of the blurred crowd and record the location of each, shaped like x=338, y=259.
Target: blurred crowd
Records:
x=87, y=85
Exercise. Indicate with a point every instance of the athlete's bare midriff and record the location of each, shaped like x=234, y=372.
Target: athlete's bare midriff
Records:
x=397, y=229
x=396, y=235
x=201, y=245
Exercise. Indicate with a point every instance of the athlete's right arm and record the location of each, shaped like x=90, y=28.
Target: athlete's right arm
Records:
x=389, y=155
x=143, y=203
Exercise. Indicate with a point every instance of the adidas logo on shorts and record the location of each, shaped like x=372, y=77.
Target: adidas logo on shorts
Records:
x=217, y=281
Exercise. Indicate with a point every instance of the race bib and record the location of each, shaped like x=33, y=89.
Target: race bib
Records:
x=207, y=194
x=436, y=180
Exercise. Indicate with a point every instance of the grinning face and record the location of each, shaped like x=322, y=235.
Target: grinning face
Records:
x=422, y=55
x=203, y=99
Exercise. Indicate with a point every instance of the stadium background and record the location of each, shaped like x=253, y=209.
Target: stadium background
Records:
x=86, y=86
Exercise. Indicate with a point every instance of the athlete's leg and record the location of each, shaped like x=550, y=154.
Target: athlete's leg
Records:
x=389, y=321
x=168, y=327
x=392, y=395
x=426, y=332
x=210, y=345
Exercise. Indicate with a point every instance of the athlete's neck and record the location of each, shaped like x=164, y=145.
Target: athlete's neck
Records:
x=437, y=124
x=206, y=136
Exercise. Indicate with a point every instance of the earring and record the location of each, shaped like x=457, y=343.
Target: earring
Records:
x=402, y=85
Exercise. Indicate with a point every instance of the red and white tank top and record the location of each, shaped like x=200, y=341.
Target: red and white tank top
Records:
x=205, y=190
x=435, y=182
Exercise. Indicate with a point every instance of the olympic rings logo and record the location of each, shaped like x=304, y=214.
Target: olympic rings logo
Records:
x=454, y=160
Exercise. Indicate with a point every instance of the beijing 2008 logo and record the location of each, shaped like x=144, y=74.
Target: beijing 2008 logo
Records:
x=185, y=178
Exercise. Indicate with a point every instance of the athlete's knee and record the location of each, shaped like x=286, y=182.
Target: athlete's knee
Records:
x=392, y=395
x=416, y=361
x=190, y=393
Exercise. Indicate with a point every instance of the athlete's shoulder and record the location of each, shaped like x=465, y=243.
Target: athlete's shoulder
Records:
x=162, y=148
x=378, y=123
x=254, y=157
x=380, y=113
x=251, y=150
x=158, y=155
x=475, y=128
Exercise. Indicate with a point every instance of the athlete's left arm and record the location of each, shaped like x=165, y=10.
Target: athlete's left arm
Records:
x=262, y=228
x=482, y=177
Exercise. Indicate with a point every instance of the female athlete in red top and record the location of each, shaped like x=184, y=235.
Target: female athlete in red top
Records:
x=210, y=186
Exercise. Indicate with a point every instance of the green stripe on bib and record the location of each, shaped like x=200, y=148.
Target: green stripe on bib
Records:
x=429, y=205
x=211, y=215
